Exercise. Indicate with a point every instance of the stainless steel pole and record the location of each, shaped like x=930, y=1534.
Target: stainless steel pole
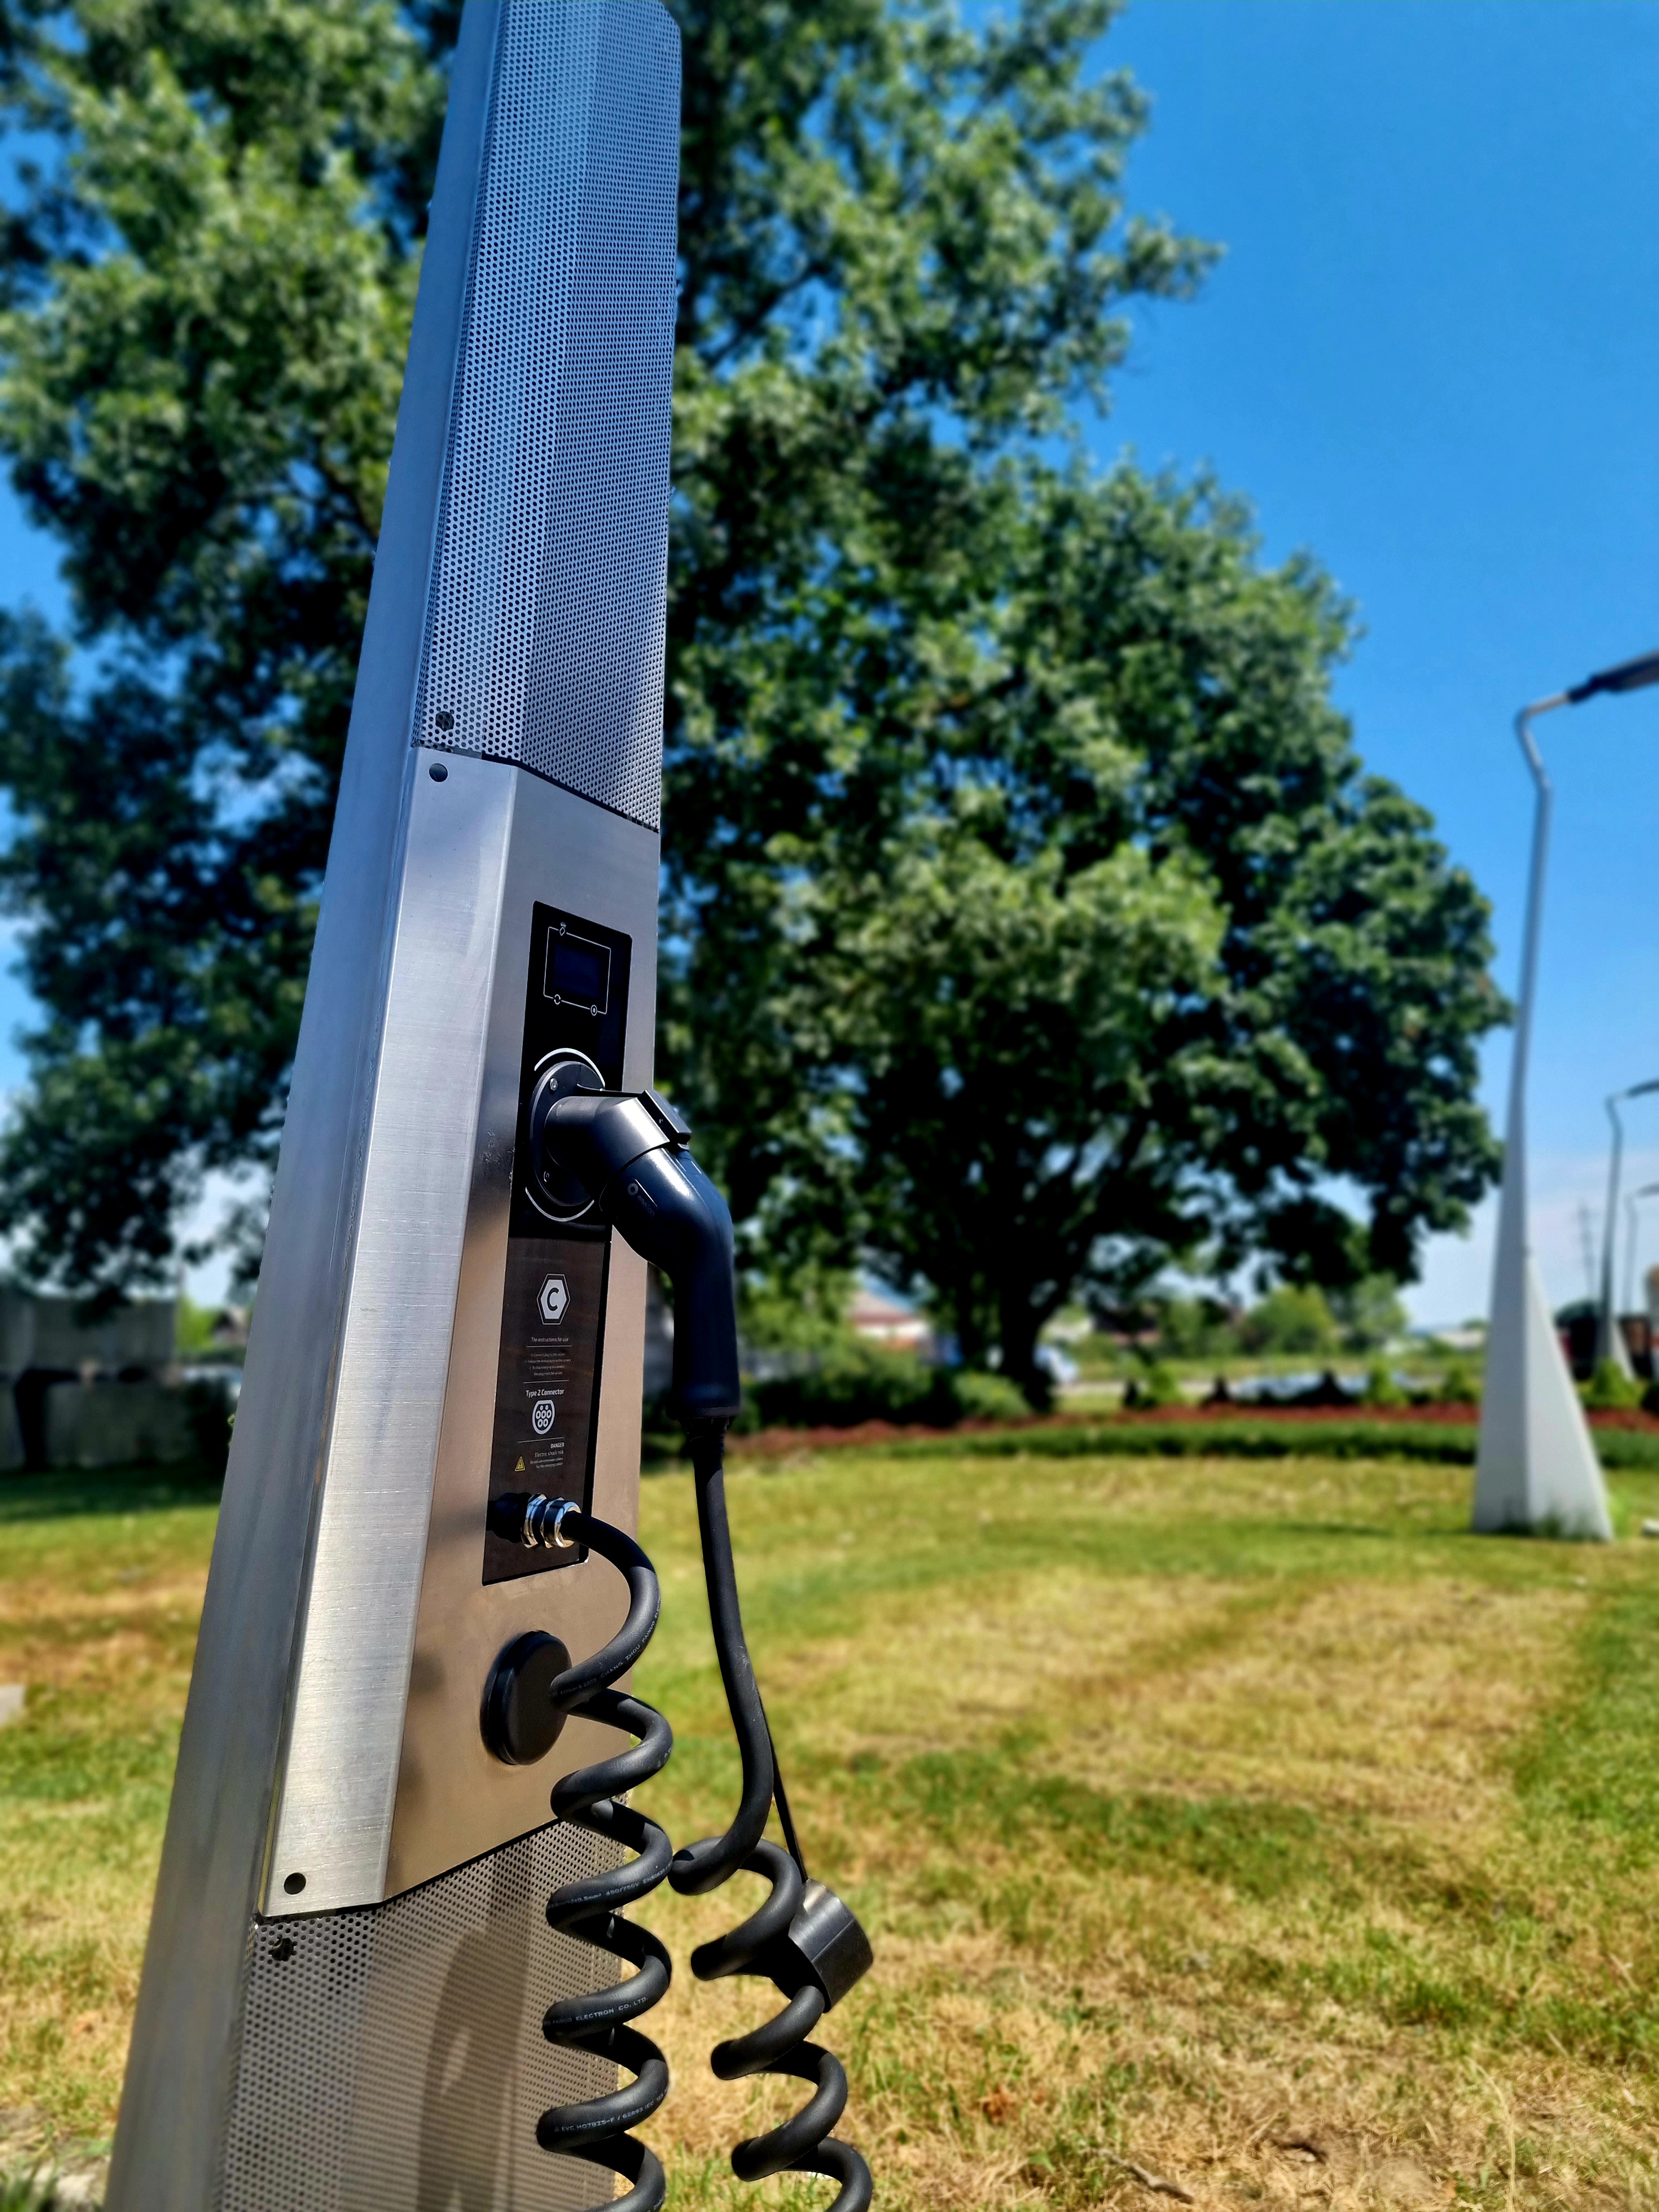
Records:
x=349, y=1957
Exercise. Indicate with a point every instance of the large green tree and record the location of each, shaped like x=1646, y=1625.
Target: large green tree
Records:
x=1030, y=918
x=1093, y=944
x=210, y=282
x=902, y=242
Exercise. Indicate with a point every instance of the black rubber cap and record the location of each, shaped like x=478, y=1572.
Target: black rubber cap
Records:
x=824, y=1946
x=521, y=1724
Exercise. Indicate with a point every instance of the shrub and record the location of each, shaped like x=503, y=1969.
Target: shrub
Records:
x=1368, y=1313
x=1610, y=1388
x=211, y=1416
x=1158, y=1386
x=1193, y=1328
x=1456, y=1387
x=859, y=1381
x=1381, y=1389
x=981, y=1397
x=1327, y=1389
x=1289, y=1320
x=853, y=1382
x=805, y=1312
x=192, y=1329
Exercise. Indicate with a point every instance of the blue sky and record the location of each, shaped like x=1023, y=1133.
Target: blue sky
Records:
x=1430, y=357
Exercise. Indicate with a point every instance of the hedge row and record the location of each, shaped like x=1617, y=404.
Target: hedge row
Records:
x=1233, y=1438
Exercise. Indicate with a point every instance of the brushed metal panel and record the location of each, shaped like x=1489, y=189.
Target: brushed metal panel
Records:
x=340, y=1770
x=453, y=1800
x=177, y=2081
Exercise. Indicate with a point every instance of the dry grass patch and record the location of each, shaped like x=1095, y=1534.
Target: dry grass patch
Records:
x=1241, y=1827
x=985, y=2078
x=1397, y=1699
x=98, y=1614
x=1197, y=1844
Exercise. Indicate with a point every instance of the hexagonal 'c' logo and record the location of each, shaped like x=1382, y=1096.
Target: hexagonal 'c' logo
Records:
x=553, y=1297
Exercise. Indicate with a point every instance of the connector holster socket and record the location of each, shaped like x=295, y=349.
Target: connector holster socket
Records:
x=520, y=1721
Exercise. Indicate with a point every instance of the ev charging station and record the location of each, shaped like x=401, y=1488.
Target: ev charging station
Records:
x=379, y=1974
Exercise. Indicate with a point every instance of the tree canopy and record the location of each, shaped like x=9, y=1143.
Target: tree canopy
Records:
x=890, y=226
x=209, y=289
x=1096, y=946
x=1028, y=916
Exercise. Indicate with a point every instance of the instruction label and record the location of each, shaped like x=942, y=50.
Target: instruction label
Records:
x=547, y=1384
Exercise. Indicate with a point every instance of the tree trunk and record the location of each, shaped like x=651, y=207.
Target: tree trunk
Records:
x=1020, y=1324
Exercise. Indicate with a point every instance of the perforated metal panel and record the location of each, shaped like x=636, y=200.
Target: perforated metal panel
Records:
x=392, y=2057
x=544, y=633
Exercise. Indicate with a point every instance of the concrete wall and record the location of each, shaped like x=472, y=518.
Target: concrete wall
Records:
x=47, y=1332
x=11, y=1434
x=74, y=1393
x=111, y=1424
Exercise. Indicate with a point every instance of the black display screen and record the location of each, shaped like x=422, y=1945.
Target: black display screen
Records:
x=576, y=971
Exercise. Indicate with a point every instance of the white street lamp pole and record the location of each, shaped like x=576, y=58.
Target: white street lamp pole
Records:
x=1609, y=1337
x=1536, y=1466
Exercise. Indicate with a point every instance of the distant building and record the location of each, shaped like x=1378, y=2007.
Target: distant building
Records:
x=1470, y=1337
x=1578, y=1325
x=80, y=1392
x=227, y=1331
x=882, y=1320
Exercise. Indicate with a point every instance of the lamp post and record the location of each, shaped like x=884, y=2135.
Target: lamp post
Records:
x=1609, y=1337
x=1536, y=1466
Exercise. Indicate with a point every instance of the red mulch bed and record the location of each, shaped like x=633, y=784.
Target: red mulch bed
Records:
x=769, y=1442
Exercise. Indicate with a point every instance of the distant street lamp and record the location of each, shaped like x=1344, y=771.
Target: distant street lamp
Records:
x=1609, y=1337
x=1536, y=1465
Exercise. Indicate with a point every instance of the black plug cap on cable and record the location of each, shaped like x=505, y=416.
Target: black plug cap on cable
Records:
x=825, y=1947
x=630, y=1150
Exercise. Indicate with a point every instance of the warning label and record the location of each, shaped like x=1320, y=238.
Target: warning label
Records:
x=546, y=1384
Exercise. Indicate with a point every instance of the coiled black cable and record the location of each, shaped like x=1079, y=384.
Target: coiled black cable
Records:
x=761, y=1945
x=598, y=2128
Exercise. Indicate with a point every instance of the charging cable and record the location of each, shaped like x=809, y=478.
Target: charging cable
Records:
x=631, y=1152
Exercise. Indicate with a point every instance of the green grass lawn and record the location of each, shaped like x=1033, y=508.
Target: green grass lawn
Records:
x=1246, y=1822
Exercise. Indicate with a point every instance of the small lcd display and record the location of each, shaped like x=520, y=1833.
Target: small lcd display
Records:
x=578, y=972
